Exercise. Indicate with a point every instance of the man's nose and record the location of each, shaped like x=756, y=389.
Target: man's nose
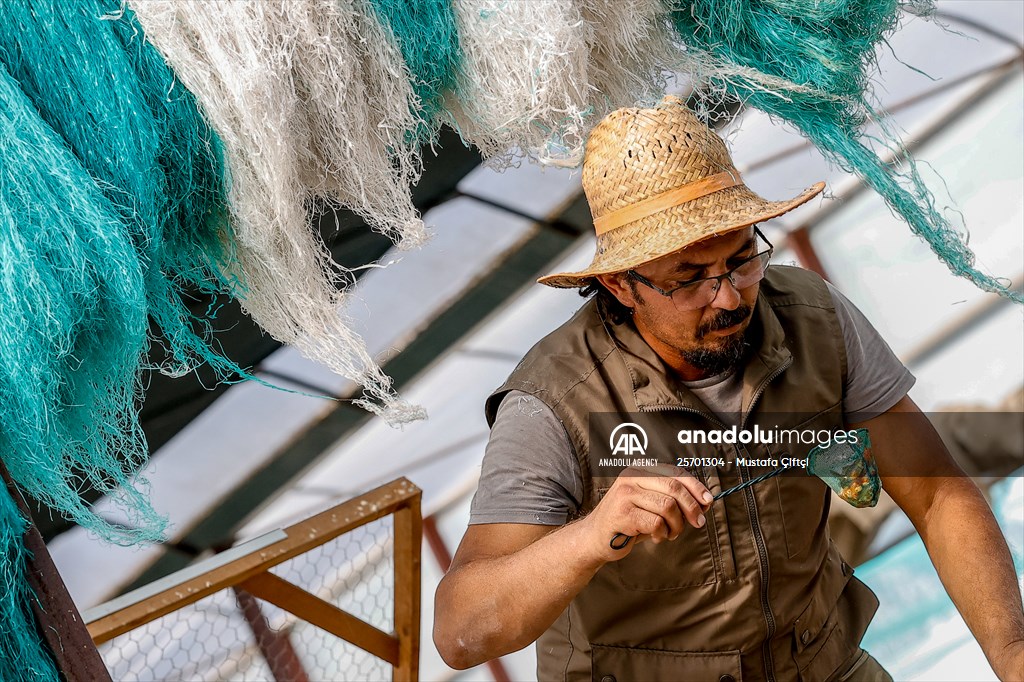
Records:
x=728, y=296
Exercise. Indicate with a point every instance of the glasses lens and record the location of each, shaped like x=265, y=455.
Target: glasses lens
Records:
x=752, y=271
x=696, y=295
x=700, y=294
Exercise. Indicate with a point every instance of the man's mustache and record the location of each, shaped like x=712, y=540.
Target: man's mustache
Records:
x=724, y=320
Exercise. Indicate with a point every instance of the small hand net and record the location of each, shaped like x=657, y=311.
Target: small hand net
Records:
x=849, y=469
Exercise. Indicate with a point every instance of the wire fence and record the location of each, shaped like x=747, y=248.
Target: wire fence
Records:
x=250, y=630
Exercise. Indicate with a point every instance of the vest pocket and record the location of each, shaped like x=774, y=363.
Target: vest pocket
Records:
x=824, y=654
x=803, y=504
x=718, y=527
x=821, y=640
x=687, y=561
x=628, y=664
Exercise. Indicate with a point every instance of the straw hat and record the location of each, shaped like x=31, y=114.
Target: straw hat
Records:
x=659, y=180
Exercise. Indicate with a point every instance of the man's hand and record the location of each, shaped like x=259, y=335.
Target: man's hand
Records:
x=654, y=503
x=508, y=582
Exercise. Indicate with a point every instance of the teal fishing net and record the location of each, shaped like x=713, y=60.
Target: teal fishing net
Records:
x=427, y=35
x=74, y=311
x=23, y=655
x=109, y=95
x=114, y=209
x=807, y=62
x=848, y=467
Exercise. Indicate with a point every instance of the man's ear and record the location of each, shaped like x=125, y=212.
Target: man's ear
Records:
x=619, y=285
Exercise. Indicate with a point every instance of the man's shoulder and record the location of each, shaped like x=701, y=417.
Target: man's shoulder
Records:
x=791, y=285
x=576, y=342
x=561, y=359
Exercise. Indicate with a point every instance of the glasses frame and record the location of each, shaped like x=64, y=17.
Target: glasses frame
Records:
x=633, y=274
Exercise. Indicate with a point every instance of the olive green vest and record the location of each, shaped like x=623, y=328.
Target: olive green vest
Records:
x=758, y=593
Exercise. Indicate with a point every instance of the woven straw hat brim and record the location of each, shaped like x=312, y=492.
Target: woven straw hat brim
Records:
x=674, y=229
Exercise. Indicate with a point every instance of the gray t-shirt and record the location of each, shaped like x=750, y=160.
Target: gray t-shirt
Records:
x=530, y=473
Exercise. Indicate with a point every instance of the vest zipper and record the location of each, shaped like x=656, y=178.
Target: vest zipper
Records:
x=762, y=557
x=683, y=408
x=762, y=551
x=755, y=525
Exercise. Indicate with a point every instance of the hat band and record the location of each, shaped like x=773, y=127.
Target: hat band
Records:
x=666, y=200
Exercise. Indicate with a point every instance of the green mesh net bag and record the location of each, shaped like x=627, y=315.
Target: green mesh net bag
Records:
x=849, y=469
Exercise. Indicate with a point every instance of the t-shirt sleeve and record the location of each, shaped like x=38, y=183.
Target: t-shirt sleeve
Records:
x=529, y=473
x=875, y=378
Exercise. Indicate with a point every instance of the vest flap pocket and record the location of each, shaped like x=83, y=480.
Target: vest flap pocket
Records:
x=815, y=617
x=628, y=664
x=819, y=640
x=829, y=631
x=825, y=654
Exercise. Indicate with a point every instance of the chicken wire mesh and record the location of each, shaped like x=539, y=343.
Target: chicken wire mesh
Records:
x=214, y=638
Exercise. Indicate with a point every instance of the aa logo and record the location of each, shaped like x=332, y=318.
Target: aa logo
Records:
x=628, y=439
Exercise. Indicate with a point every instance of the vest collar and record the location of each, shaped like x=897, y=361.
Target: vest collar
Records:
x=655, y=386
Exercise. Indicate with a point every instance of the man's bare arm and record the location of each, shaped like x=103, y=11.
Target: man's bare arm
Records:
x=509, y=582
x=958, y=529
x=493, y=601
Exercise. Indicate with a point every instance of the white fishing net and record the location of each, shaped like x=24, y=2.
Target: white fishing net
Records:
x=632, y=51
x=524, y=82
x=537, y=76
x=288, y=88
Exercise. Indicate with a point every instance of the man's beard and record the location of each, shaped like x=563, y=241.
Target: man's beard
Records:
x=720, y=358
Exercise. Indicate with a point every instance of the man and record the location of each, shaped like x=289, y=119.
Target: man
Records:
x=645, y=576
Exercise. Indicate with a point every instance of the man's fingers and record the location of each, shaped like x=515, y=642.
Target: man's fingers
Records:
x=649, y=523
x=664, y=506
x=699, y=491
x=692, y=497
x=698, y=502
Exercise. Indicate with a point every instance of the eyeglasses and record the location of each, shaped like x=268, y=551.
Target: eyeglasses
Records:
x=698, y=293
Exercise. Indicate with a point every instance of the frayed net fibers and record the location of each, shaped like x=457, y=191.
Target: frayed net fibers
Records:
x=631, y=51
x=23, y=655
x=73, y=301
x=807, y=62
x=523, y=83
x=109, y=95
x=292, y=108
x=427, y=35
x=362, y=156
x=536, y=76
